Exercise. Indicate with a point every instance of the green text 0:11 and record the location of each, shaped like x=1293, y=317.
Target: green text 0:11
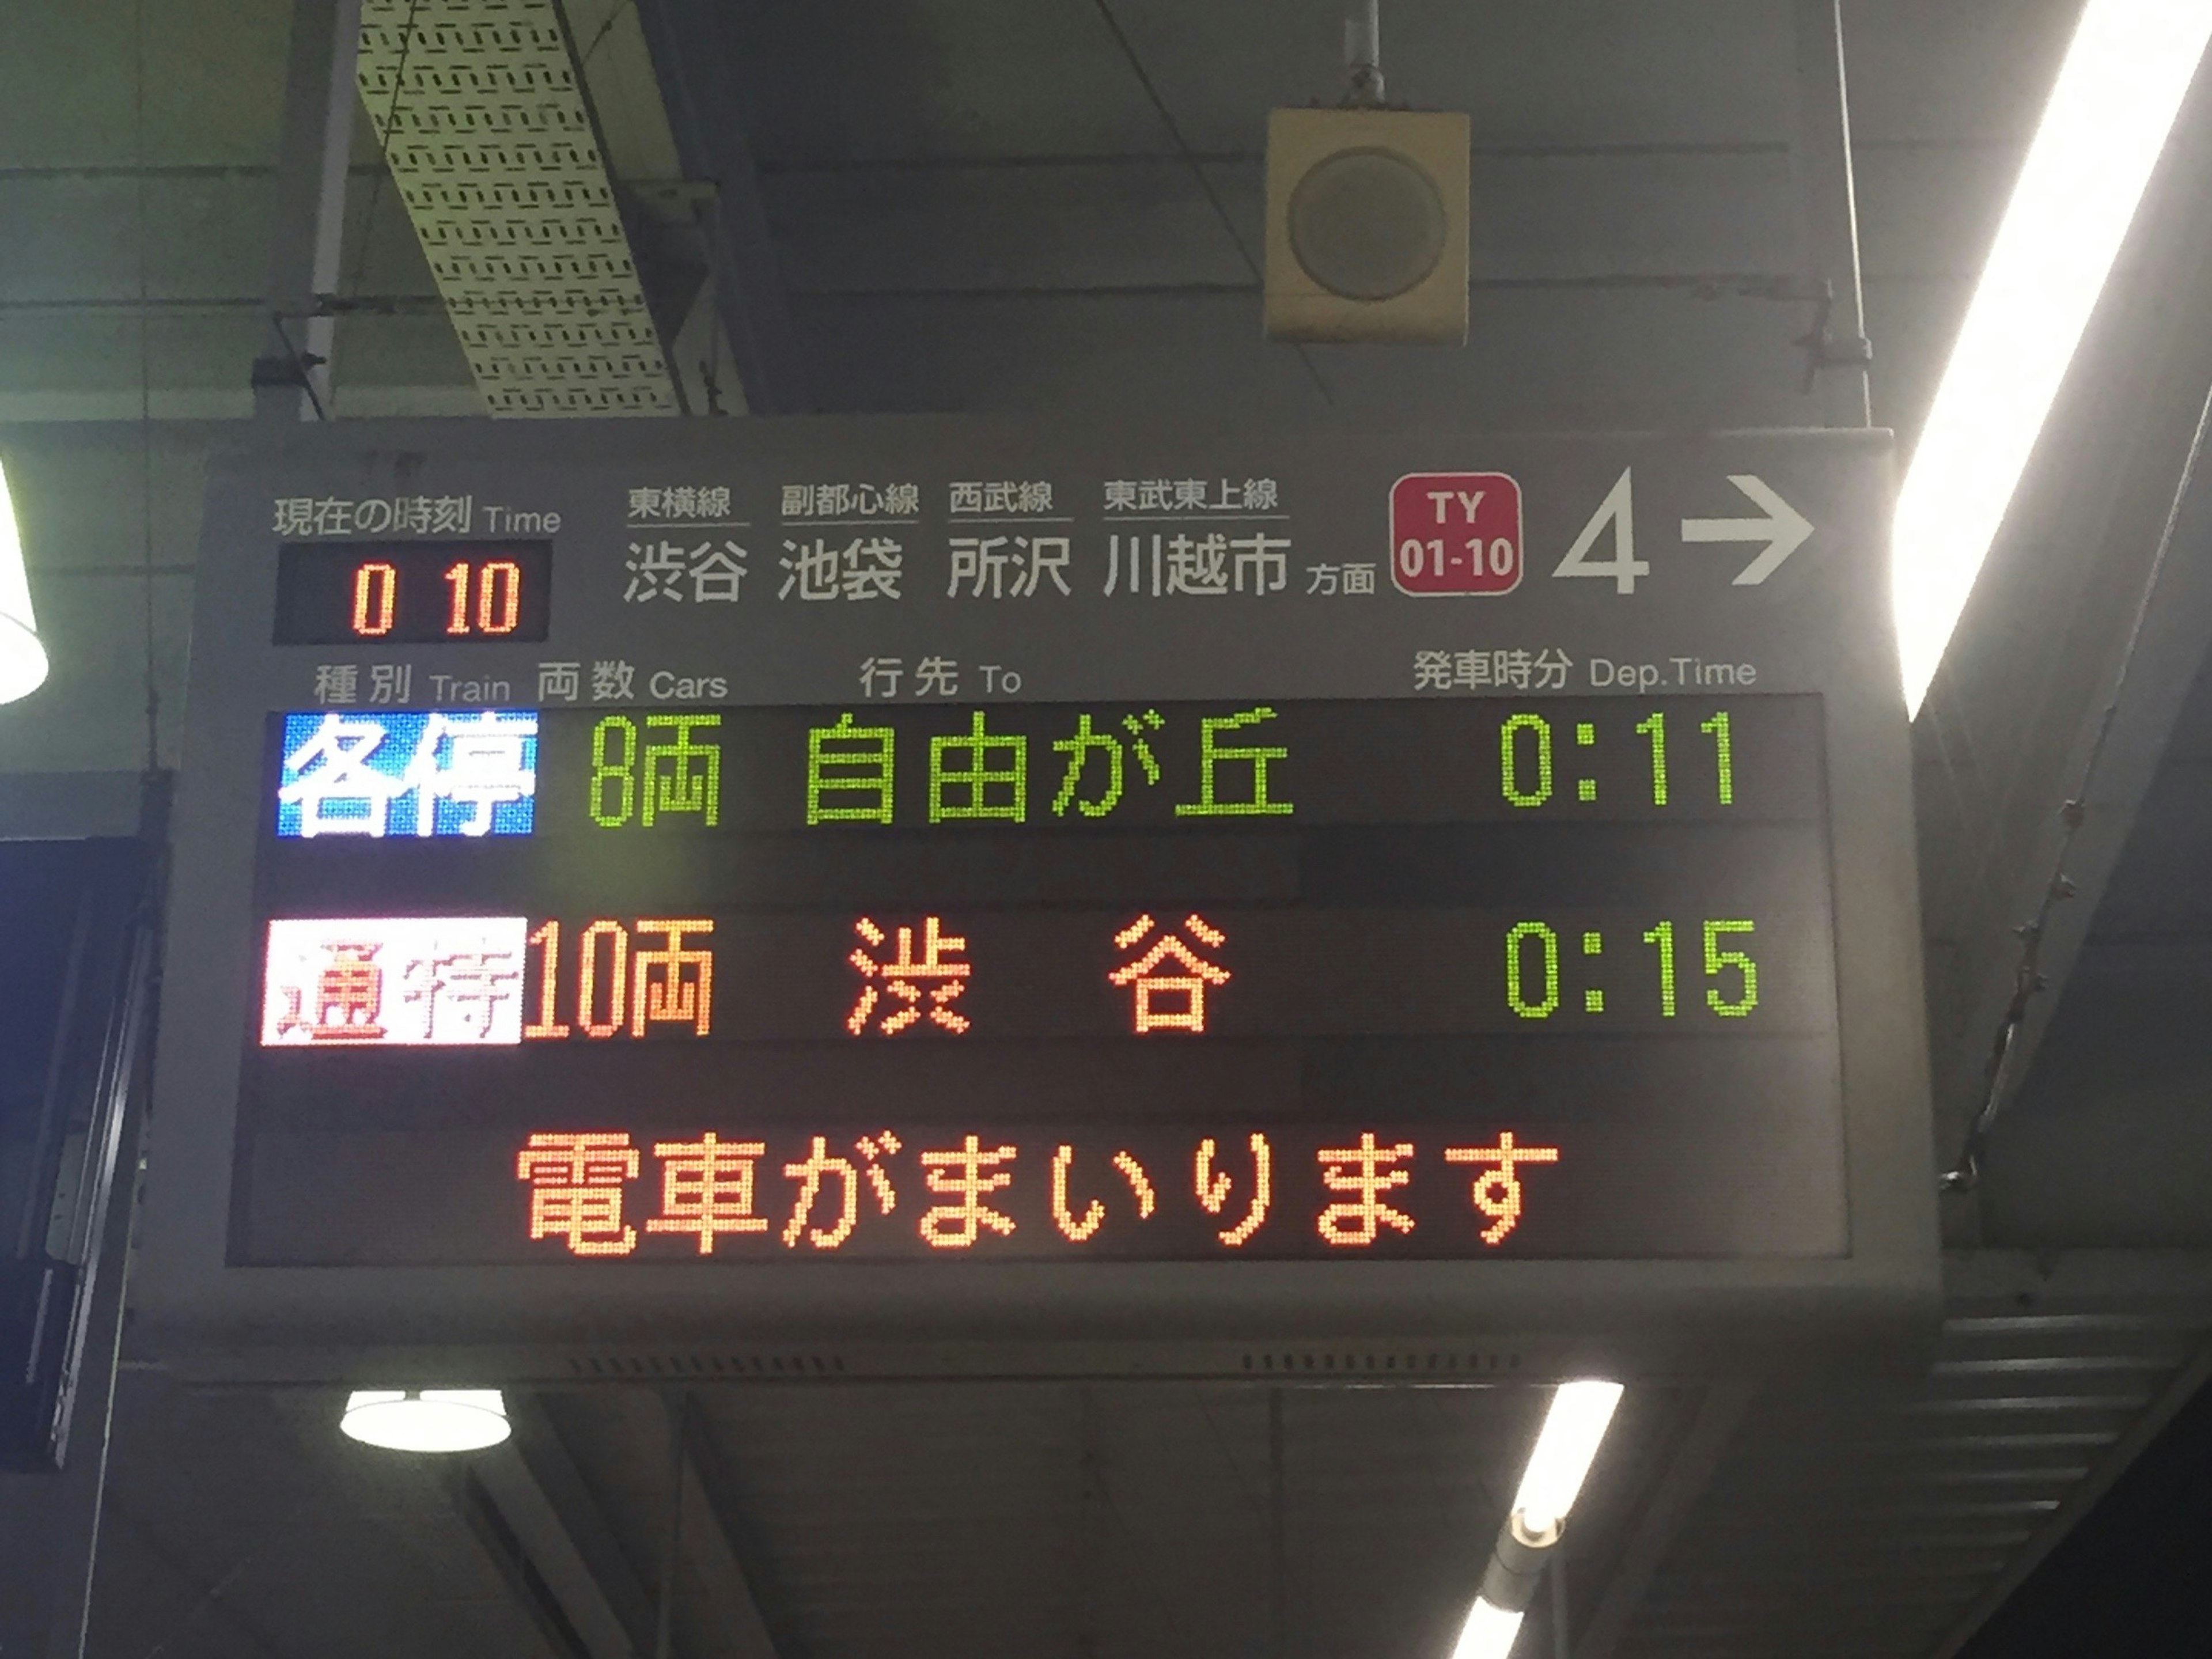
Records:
x=1524, y=757
x=1532, y=970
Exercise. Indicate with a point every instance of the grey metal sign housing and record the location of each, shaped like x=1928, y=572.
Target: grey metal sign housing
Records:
x=847, y=566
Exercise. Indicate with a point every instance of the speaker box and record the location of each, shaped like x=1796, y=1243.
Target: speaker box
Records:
x=1367, y=214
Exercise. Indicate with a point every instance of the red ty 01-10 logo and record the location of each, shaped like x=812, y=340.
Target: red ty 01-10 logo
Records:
x=1456, y=532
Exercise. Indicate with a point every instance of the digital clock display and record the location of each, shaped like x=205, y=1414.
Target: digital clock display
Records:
x=1150, y=981
x=413, y=592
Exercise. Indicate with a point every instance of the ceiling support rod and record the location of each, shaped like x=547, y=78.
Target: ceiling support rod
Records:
x=1838, y=352
x=1363, y=53
x=292, y=378
x=1561, y=1648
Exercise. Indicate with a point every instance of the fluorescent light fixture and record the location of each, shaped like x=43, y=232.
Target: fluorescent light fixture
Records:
x=426, y=1420
x=1568, y=1441
x=2115, y=102
x=22, y=658
x=1573, y=1428
x=1488, y=1632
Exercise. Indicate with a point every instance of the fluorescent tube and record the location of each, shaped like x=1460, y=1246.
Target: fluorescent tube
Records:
x=2114, y=102
x=22, y=657
x=1572, y=1430
x=1488, y=1632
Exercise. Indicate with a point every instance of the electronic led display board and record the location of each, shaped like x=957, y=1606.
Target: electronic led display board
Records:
x=412, y=592
x=1023, y=884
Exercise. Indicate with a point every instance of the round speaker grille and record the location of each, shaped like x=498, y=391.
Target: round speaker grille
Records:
x=1367, y=224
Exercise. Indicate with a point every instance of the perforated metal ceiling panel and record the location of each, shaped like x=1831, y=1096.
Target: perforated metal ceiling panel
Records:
x=485, y=128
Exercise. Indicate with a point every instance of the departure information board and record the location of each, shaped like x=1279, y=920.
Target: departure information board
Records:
x=1022, y=858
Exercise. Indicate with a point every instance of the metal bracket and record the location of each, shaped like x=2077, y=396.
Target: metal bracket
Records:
x=1823, y=348
x=295, y=371
x=1362, y=56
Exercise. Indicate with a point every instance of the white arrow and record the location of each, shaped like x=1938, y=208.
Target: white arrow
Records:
x=1784, y=529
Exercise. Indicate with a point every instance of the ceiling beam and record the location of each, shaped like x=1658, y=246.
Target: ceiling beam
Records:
x=1689, y=1471
x=2053, y=704
x=721, y=1547
x=511, y=1559
x=693, y=60
x=292, y=381
x=562, y=1549
x=686, y=1587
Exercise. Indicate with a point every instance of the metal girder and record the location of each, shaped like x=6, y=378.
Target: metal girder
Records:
x=1665, y=1513
x=292, y=379
x=720, y=1547
x=560, y=1535
x=2099, y=783
x=535, y=1512
x=2051, y=709
x=693, y=62
x=486, y=1517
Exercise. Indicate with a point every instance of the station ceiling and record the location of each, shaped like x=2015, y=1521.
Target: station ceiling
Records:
x=1055, y=209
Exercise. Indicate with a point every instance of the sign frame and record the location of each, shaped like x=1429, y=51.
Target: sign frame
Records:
x=1816, y=618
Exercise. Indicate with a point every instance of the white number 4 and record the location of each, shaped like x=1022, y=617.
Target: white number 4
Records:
x=1617, y=512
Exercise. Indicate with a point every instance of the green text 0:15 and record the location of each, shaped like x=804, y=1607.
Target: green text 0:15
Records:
x=1730, y=977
